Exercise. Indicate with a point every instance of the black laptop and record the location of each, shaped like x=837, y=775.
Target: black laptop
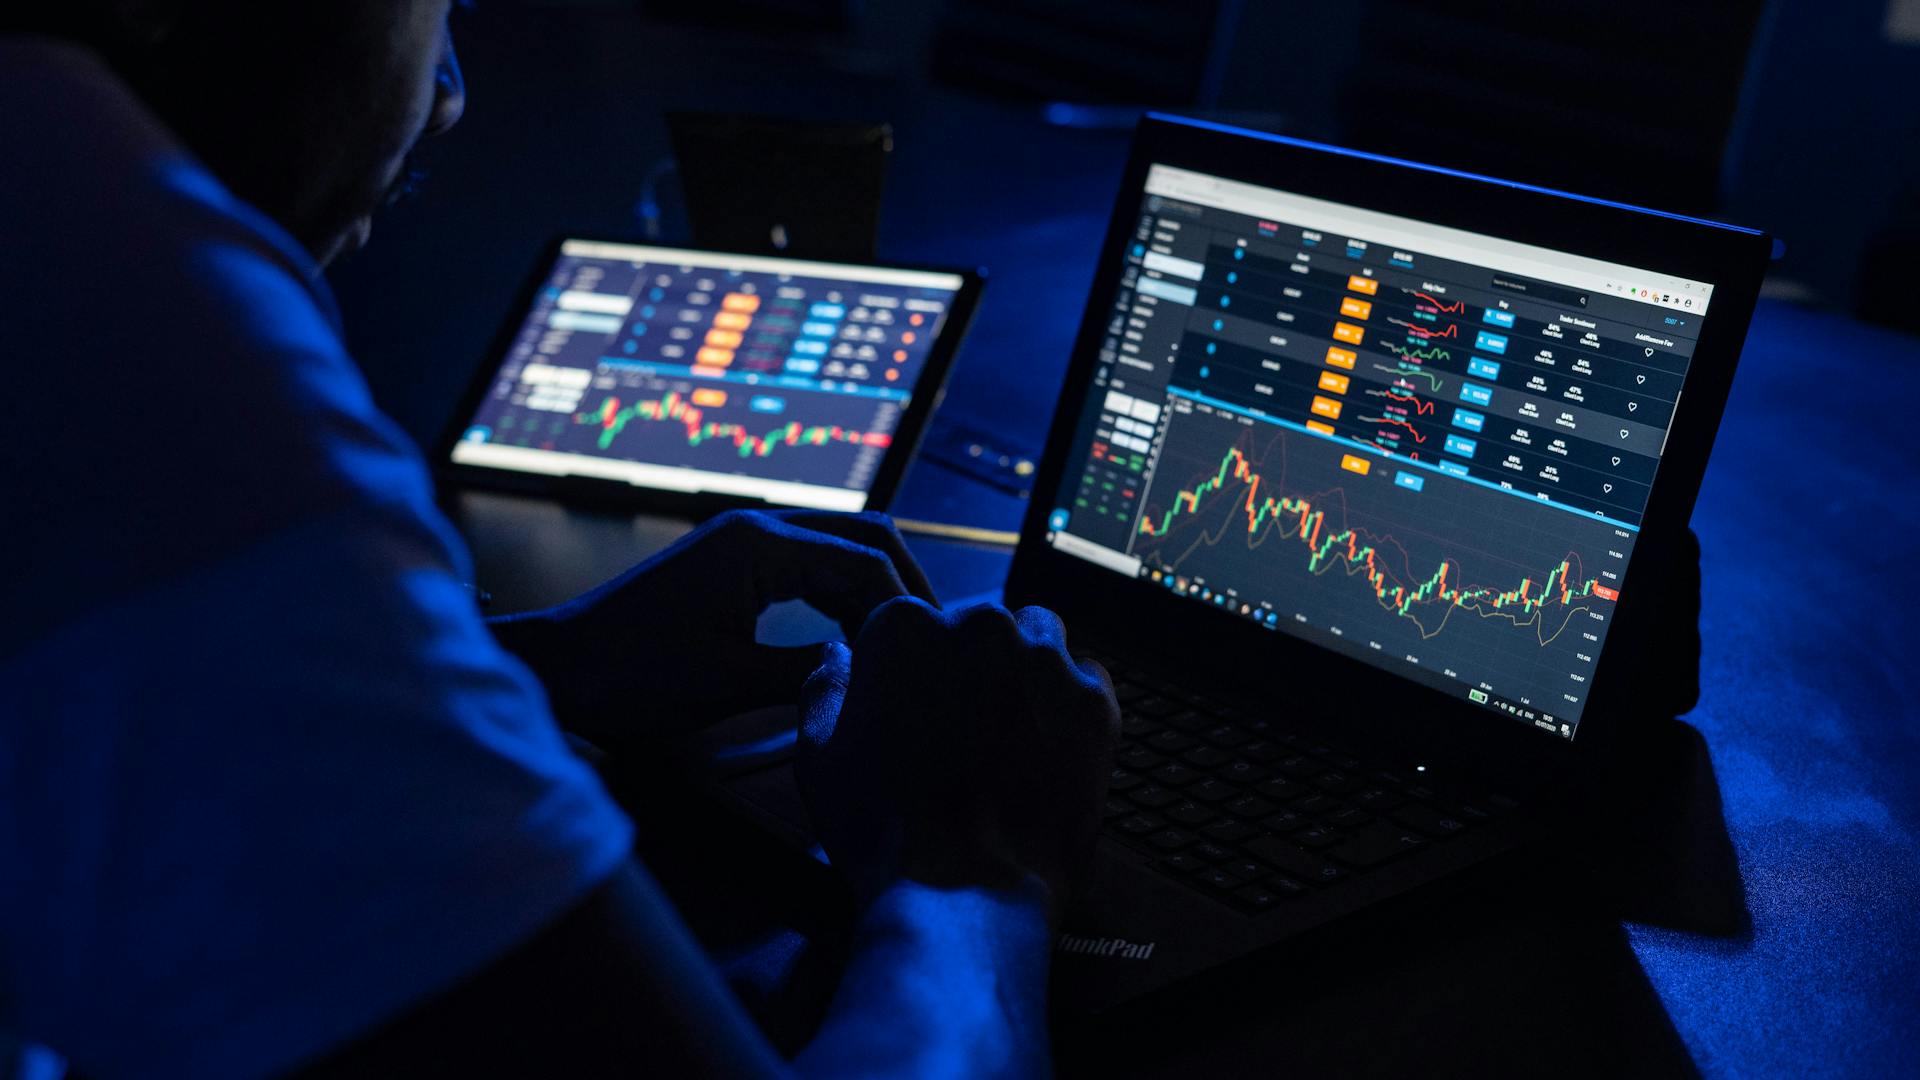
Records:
x=1367, y=482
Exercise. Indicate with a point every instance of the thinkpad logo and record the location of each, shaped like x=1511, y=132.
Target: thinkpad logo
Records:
x=1120, y=948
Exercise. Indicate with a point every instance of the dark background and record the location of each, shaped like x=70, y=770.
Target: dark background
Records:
x=1797, y=116
x=1011, y=120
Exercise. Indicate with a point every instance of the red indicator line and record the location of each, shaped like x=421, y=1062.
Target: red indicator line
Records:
x=1452, y=309
x=1420, y=408
x=1417, y=437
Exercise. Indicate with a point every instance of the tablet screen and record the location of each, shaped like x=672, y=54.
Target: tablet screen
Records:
x=697, y=372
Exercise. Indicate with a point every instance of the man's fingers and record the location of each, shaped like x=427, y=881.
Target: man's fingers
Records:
x=841, y=579
x=1042, y=627
x=1097, y=672
x=822, y=693
x=872, y=530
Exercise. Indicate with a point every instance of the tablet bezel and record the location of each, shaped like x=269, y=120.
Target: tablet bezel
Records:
x=620, y=494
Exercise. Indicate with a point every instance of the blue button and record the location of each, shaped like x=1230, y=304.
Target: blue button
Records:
x=810, y=347
x=1453, y=468
x=1492, y=343
x=1057, y=520
x=766, y=404
x=1472, y=421
x=1474, y=393
x=1463, y=447
x=1485, y=369
x=818, y=329
x=1499, y=318
x=1410, y=481
x=828, y=311
x=803, y=366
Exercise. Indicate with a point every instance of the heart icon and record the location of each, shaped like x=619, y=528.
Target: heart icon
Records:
x=1606, y=487
x=1649, y=352
x=1624, y=433
x=1632, y=405
x=1639, y=378
x=1616, y=459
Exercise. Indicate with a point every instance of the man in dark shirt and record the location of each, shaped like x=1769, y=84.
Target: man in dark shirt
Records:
x=273, y=797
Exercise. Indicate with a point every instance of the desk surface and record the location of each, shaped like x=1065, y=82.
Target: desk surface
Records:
x=1807, y=520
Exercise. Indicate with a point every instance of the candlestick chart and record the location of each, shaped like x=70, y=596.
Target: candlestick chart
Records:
x=679, y=411
x=1303, y=525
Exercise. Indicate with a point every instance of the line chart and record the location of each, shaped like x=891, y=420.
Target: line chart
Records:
x=1453, y=308
x=1435, y=380
x=1452, y=330
x=1419, y=405
x=1418, y=354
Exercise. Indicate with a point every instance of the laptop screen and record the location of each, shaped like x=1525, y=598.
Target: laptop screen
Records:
x=1426, y=448
x=693, y=371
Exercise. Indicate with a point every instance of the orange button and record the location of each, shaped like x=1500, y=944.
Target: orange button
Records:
x=1363, y=284
x=1348, y=333
x=723, y=339
x=1326, y=407
x=736, y=301
x=1356, y=464
x=1315, y=425
x=710, y=397
x=1333, y=382
x=1358, y=309
x=1340, y=357
x=732, y=320
x=1605, y=593
x=711, y=357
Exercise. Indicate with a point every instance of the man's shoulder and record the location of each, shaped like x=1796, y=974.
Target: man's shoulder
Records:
x=184, y=392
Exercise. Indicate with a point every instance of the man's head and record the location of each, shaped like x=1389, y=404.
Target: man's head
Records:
x=307, y=110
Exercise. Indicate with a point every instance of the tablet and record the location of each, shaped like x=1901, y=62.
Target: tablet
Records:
x=700, y=379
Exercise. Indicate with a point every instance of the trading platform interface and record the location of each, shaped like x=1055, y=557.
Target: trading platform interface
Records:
x=1422, y=447
x=691, y=371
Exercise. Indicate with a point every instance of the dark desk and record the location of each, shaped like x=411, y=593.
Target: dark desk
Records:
x=1808, y=523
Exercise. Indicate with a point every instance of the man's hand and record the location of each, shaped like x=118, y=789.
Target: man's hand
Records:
x=957, y=750
x=673, y=638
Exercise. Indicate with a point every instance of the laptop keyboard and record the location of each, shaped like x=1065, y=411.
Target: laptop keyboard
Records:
x=1253, y=815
